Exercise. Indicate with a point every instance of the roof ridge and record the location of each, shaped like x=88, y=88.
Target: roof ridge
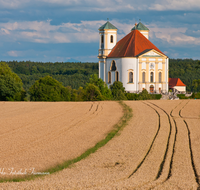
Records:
x=128, y=44
x=132, y=45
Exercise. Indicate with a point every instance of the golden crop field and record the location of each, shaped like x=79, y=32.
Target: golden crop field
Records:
x=158, y=149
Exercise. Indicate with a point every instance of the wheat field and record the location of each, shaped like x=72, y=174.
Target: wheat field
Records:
x=158, y=149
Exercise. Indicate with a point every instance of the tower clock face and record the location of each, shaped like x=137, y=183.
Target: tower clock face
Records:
x=152, y=66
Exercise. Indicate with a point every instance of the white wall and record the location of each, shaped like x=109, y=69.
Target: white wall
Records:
x=101, y=70
x=128, y=63
x=167, y=74
x=114, y=33
x=180, y=88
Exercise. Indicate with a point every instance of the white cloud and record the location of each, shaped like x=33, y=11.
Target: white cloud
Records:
x=13, y=4
x=44, y=32
x=162, y=5
x=173, y=36
x=87, y=32
x=14, y=53
x=105, y=5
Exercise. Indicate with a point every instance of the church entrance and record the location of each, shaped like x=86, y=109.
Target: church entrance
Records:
x=151, y=89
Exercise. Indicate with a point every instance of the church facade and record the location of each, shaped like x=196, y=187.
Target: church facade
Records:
x=133, y=60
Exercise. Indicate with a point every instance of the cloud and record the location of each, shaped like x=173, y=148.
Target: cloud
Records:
x=13, y=4
x=87, y=32
x=104, y=5
x=44, y=32
x=14, y=53
x=161, y=5
x=174, y=36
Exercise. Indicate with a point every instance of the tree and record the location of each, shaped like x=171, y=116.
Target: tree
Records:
x=105, y=91
x=92, y=93
x=196, y=84
x=11, y=86
x=49, y=89
x=118, y=91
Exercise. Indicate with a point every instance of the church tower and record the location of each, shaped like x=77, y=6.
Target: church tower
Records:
x=107, y=40
x=142, y=28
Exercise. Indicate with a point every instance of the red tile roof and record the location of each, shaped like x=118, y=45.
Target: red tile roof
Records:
x=132, y=45
x=175, y=82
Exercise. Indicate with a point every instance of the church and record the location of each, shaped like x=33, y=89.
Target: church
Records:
x=133, y=60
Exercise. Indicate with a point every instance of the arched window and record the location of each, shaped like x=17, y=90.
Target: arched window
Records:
x=102, y=39
x=113, y=66
x=151, y=77
x=130, y=77
x=109, y=77
x=143, y=77
x=160, y=77
x=111, y=39
x=116, y=76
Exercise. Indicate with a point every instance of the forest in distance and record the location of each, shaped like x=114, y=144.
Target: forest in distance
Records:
x=78, y=74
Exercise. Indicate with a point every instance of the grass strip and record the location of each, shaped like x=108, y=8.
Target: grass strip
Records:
x=117, y=127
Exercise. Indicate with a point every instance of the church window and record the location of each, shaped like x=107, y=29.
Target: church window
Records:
x=109, y=77
x=117, y=76
x=160, y=77
x=102, y=39
x=113, y=66
x=151, y=77
x=143, y=77
x=130, y=77
x=111, y=39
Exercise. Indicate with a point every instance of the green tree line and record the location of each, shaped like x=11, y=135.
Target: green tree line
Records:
x=78, y=74
x=69, y=74
x=71, y=82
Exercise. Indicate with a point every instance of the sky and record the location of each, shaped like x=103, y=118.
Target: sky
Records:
x=67, y=30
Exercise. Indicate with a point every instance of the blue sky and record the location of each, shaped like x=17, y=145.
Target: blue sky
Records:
x=64, y=30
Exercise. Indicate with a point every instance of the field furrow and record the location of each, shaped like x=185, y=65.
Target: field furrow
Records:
x=183, y=171
x=152, y=167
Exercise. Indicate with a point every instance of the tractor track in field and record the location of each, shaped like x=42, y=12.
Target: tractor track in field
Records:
x=168, y=141
x=174, y=118
x=190, y=146
x=170, y=171
x=151, y=145
x=152, y=184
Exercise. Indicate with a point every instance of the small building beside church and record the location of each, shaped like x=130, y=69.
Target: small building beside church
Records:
x=133, y=60
x=176, y=85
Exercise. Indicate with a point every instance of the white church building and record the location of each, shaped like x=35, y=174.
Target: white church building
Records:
x=133, y=60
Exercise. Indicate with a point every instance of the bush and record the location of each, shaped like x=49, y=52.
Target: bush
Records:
x=118, y=91
x=92, y=93
x=49, y=89
x=144, y=95
x=156, y=96
x=182, y=96
x=196, y=95
x=132, y=96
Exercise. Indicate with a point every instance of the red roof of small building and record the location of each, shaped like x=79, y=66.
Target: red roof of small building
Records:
x=175, y=82
x=132, y=45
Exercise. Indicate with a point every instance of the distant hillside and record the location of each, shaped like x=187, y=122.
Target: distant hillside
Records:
x=70, y=74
